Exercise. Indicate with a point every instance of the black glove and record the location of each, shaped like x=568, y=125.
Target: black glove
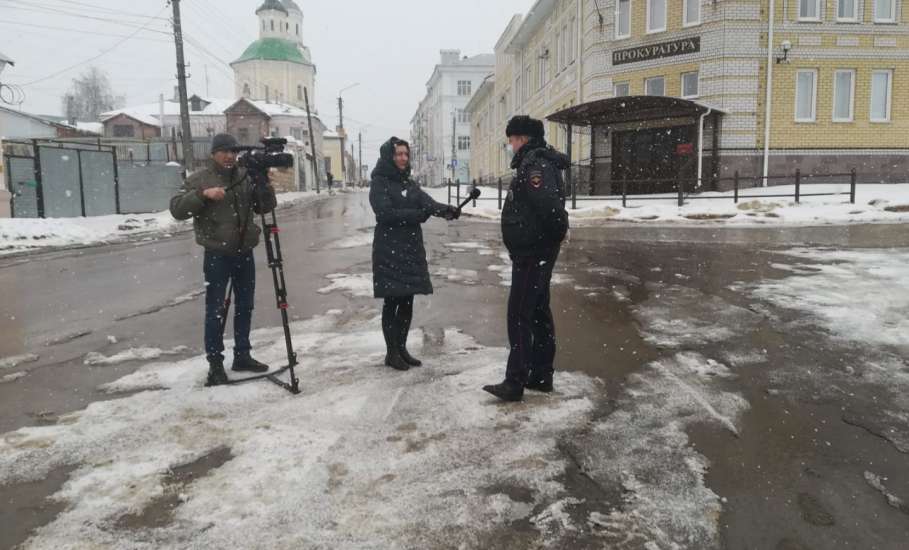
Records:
x=451, y=213
x=426, y=214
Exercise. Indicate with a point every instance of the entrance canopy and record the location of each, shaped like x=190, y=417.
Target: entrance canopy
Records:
x=636, y=108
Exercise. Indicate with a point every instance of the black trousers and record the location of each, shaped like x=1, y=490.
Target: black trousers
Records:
x=397, y=314
x=531, y=329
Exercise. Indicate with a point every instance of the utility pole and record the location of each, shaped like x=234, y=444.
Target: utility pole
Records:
x=360, y=164
x=207, y=89
x=341, y=134
x=312, y=142
x=188, y=160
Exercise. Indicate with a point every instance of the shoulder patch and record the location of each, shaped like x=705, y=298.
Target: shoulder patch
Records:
x=536, y=178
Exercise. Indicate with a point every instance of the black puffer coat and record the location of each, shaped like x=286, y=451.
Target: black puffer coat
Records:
x=399, y=265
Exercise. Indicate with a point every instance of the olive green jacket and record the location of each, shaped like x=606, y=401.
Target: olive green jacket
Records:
x=219, y=225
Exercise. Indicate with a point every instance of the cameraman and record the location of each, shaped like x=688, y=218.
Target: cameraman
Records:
x=222, y=202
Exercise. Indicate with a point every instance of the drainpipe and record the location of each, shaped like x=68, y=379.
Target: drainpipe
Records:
x=580, y=47
x=769, y=98
x=701, y=146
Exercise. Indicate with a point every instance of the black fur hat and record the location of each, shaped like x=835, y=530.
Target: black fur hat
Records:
x=523, y=125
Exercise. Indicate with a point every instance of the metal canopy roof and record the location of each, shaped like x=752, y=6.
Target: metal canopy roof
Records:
x=637, y=108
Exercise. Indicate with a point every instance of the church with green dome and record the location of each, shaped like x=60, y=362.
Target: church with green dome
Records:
x=278, y=66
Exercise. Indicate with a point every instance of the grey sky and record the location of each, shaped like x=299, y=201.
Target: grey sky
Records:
x=390, y=48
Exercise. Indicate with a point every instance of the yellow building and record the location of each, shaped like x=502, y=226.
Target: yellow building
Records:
x=701, y=89
x=331, y=151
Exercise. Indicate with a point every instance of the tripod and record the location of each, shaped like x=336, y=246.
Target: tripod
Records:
x=276, y=263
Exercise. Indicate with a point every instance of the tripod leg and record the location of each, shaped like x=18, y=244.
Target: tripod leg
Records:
x=276, y=263
x=226, y=309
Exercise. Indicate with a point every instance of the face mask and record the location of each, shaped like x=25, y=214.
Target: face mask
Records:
x=510, y=149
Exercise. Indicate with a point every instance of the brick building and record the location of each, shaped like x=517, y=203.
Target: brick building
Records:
x=825, y=96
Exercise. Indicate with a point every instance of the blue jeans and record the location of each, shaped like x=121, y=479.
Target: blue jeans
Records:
x=219, y=270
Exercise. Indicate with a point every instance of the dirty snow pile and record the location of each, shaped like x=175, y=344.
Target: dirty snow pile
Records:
x=368, y=457
x=875, y=203
x=21, y=234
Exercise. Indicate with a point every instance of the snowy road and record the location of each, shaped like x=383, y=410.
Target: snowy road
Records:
x=727, y=388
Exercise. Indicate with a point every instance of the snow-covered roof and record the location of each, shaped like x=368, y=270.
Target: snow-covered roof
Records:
x=216, y=106
x=480, y=60
x=331, y=134
x=93, y=127
x=272, y=108
x=141, y=117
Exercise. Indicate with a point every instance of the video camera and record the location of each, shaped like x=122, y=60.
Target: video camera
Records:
x=259, y=160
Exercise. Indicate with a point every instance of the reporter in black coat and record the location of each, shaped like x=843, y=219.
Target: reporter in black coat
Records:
x=399, y=263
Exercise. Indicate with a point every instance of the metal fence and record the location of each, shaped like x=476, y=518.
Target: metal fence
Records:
x=59, y=180
x=72, y=178
x=684, y=189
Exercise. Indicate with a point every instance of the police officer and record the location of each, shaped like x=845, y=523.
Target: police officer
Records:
x=222, y=202
x=534, y=224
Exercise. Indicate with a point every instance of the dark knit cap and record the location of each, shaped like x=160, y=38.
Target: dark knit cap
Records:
x=523, y=125
x=223, y=142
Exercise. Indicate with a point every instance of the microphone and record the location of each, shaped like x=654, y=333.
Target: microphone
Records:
x=474, y=195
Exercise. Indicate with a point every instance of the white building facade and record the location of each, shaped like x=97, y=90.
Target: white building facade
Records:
x=277, y=67
x=440, y=129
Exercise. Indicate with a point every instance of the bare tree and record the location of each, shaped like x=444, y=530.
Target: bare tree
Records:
x=90, y=95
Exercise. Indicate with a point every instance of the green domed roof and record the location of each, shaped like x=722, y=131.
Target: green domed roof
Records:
x=273, y=49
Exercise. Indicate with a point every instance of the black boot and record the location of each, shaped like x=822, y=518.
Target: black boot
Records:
x=394, y=360
x=506, y=391
x=540, y=383
x=245, y=363
x=404, y=318
x=216, y=374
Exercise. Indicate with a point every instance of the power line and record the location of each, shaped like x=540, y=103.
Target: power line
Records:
x=130, y=24
x=81, y=6
x=82, y=31
x=89, y=60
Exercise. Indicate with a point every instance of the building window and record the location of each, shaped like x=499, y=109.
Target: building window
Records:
x=299, y=92
x=843, y=95
x=690, y=85
x=272, y=24
x=297, y=133
x=692, y=13
x=463, y=143
x=805, y=96
x=655, y=86
x=246, y=92
x=464, y=87
x=656, y=15
x=463, y=116
x=847, y=10
x=809, y=10
x=263, y=25
x=881, y=89
x=267, y=94
x=573, y=40
x=560, y=50
x=543, y=68
x=885, y=11
x=298, y=29
x=124, y=130
x=623, y=19
x=621, y=89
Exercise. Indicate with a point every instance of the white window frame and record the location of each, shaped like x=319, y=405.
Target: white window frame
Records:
x=888, y=118
x=617, y=22
x=685, y=21
x=697, y=75
x=814, y=74
x=467, y=87
x=646, y=86
x=851, y=117
x=665, y=17
x=615, y=87
x=817, y=6
x=854, y=18
x=893, y=12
